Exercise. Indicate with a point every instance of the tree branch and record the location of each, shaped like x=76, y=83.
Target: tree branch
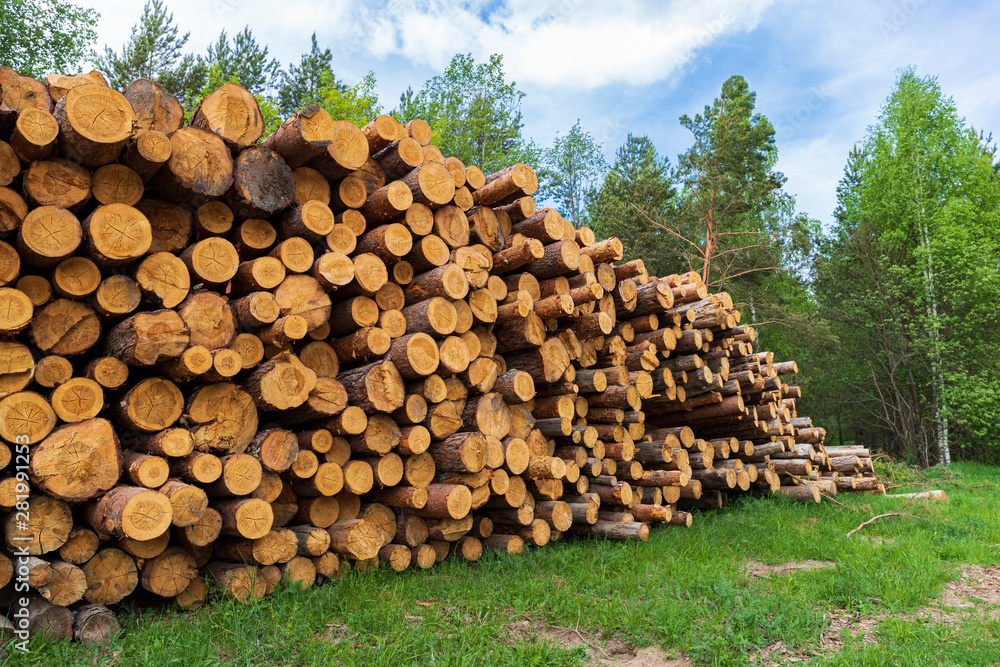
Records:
x=743, y=273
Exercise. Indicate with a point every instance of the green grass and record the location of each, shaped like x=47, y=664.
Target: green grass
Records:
x=684, y=590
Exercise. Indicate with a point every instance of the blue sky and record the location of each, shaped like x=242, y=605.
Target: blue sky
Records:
x=821, y=70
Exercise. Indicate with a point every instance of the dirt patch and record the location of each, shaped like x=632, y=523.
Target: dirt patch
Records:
x=338, y=632
x=762, y=570
x=976, y=591
x=978, y=586
x=603, y=651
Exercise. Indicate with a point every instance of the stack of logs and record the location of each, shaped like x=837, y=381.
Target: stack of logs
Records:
x=234, y=359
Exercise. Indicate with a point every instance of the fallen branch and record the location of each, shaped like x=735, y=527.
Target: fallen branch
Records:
x=936, y=494
x=880, y=516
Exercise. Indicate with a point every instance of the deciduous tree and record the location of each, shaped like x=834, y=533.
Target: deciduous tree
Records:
x=572, y=167
x=475, y=113
x=39, y=37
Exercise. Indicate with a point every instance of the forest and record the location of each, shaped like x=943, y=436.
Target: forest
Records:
x=888, y=310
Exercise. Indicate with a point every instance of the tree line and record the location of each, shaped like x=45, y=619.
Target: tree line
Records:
x=889, y=310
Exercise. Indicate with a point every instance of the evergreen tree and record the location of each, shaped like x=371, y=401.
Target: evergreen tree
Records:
x=301, y=84
x=244, y=61
x=730, y=193
x=153, y=52
x=634, y=203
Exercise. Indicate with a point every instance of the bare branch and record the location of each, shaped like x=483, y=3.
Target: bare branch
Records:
x=660, y=225
x=881, y=516
x=743, y=273
x=746, y=247
x=745, y=233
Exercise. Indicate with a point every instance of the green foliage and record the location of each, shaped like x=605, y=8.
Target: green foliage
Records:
x=358, y=103
x=154, y=52
x=908, y=276
x=731, y=202
x=244, y=61
x=571, y=168
x=302, y=83
x=39, y=37
x=634, y=203
x=474, y=112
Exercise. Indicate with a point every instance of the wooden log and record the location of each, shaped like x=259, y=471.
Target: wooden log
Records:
x=51, y=182
x=252, y=238
x=615, y=530
x=804, y=493
x=280, y=383
x=111, y=576
x=251, y=518
x=194, y=596
x=232, y=113
x=94, y=624
x=146, y=152
x=223, y=418
x=503, y=184
x=238, y=581
x=83, y=139
x=33, y=138
x=430, y=184
x=130, y=511
x=169, y=573
x=378, y=386
x=460, y=452
x=188, y=502
x=117, y=184
x=47, y=236
x=356, y=538
x=276, y=449
x=155, y=108
x=302, y=136
x=47, y=620
x=200, y=167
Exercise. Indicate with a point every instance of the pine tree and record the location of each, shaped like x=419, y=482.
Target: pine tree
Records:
x=635, y=202
x=244, y=61
x=730, y=191
x=301, y=84
x=153, y=52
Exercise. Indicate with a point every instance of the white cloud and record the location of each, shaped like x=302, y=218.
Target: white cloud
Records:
x=821, y=70
x=563, y=43
x=576, y=44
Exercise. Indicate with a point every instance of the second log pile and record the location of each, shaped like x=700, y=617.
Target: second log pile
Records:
x=240, y=359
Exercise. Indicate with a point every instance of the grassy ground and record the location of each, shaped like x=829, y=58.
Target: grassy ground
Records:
x=687, y=591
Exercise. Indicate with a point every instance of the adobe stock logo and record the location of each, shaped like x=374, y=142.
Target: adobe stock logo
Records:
x=900, y=15
x=791, y=122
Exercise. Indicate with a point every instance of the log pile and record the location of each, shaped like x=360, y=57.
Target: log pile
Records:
x=231, y=359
